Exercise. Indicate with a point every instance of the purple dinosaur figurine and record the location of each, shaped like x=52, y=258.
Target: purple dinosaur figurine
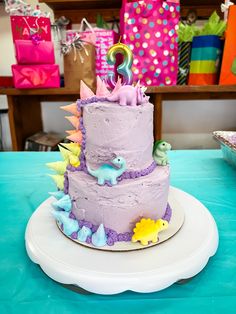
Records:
x=128, y=95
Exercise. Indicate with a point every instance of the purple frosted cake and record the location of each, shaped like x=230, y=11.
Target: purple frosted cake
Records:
x=113, y=182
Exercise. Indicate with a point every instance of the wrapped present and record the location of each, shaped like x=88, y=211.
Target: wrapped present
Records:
x=79, y=63
x=23, y=27
x=205, y=60
x=36, y=76
x=34, y=51
x=228, y=68
x=149, y=28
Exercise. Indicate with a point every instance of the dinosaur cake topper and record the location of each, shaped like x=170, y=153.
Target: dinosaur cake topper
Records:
x=109, y=173
x=160, y=152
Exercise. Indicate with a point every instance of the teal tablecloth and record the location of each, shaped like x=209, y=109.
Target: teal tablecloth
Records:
x=24, y=288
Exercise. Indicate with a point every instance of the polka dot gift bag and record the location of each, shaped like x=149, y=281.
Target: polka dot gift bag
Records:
x=149, y=28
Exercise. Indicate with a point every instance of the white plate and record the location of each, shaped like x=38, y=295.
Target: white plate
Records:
x=154, y=269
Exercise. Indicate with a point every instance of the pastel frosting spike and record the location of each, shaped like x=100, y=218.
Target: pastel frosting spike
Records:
x=59, y=180
x=63, y=203
x=57, y=194
x=85, y=91
x=73, y=147
x=72, y=108
x=74, y=160
x=84, y=233
x=101, y=88
x=76, y=137
x=58, y=166
x=117, y=86
x=70, y=132
x=69, y=225
x=99, y=238
x=64, y=152
x=74, y=121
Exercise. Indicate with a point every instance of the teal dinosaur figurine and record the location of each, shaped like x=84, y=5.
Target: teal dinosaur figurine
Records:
x=160, y=152
x=108, y=172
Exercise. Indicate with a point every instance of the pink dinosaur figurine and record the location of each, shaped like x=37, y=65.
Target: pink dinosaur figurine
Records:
x=128, y=95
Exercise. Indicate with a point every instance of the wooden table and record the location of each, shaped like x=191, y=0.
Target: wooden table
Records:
x=25, y=105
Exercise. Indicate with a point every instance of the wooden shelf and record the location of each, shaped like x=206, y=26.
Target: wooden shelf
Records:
x=181, y=89
x=77, y=9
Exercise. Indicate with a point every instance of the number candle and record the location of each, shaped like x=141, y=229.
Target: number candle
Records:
x=124, y=69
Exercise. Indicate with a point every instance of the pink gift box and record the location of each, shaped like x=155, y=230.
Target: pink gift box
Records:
x=24, y=26
x=27, y=52
x=36, y=76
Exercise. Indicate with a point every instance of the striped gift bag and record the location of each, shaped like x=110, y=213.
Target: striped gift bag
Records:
x=205, y=60
x=183, y=62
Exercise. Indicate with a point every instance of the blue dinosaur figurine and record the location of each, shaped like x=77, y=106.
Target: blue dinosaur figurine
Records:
x=109, y=172
x=69, y=225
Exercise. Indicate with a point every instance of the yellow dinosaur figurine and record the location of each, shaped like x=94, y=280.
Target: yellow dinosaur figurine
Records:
x=147, y=230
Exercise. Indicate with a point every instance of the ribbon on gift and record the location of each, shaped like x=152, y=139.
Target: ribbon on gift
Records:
x=74, y=44
x=225, y=8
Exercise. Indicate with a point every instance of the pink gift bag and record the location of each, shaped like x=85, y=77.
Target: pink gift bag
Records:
x=24, y=26
x=149, y=29
x=30, y=52
x=36, y=76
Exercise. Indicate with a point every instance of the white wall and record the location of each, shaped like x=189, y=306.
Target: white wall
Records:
x=186, y=124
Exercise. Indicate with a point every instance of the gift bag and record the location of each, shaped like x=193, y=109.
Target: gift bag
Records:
x=228, y=68
x=183, y=62
x=205, y=60
x=103, y=39
x=34, y=52
x=36, y=76
x=149, y=28
x=79, y=63
x=24, y=26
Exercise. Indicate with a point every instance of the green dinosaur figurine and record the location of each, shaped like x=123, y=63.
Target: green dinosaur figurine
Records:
x=160, y=152
x=108, y=172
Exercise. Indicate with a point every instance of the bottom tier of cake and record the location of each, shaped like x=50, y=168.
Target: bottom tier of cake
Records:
x=119, y=207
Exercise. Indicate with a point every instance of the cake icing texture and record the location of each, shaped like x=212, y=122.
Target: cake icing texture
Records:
x=111, y=180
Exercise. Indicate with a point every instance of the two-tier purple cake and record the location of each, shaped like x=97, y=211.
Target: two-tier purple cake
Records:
x=110, y=184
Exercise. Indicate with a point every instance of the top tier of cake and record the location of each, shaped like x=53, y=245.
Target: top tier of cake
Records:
x=125, y=131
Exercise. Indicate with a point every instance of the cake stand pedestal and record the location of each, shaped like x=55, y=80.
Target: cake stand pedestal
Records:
x=153, y=269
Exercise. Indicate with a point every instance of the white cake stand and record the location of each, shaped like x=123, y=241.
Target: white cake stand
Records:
x=153, y=269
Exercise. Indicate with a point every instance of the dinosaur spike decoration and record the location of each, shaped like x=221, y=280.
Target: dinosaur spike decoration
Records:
x=69, y=225
x=64, y=153
x=58, y=194
x=74, y=148
x=74, y=121
x=146, y=230
x=75, y=137
x=99, y=238
x=70, y=132
x=74, y=160
x=72, y=109
x=85, y=91
x=101, y=88
x=59, y=180
x=84, y=233
x=108, y=172
x=63, y=203
x=58, y=166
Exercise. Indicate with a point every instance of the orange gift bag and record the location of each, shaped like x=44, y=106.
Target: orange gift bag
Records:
x=228, y=68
